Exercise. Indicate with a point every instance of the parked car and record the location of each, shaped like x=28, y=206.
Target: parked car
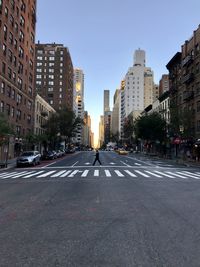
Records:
x=29, y=158
x=49, y=155
x=59, y=153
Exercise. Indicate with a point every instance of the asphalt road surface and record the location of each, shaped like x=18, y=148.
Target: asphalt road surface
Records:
x=131, y=211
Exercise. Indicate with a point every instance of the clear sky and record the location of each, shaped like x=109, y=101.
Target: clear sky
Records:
x=102, y=36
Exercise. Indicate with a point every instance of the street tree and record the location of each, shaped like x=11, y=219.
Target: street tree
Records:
x=150, y=127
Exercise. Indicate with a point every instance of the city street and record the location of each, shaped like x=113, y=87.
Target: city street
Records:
x=131, y=211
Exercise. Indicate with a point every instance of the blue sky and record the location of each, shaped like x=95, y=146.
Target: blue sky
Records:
x=102, y=36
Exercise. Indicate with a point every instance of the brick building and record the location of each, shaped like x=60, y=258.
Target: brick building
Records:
x=17, y=42
x=54, y=75
x=184, y=86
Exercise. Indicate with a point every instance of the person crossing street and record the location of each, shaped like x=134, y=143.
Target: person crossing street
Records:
x=96, y=158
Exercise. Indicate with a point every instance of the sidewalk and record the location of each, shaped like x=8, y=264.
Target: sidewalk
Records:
x=10, y=164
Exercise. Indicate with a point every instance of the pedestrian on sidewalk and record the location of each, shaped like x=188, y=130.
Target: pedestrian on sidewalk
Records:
x=96, y=158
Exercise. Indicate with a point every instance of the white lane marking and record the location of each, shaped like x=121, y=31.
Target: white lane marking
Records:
x=74, y=163
x=3, y=173
x=138, y=164
x=45, y=174
x=191, y=175
x=8, y=175
x=152, y=173
x=13, y=174
x=20, y=174
x=49, y=165
x=87, y=163
x=73, y=173
x=108, y=174
x=142, y=161
x=119, y=173
x=85, y=173
x=125, y=163
x=180, y=176
x=194, y=173
x=33, y=174
x=143, y=174
x=112, y=163
x=65, y=174
x=166, y=175
x=96, y=173
x=57, y=174
x=130, y=173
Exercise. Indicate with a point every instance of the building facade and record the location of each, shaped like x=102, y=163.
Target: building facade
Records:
x=79, y=101
x=17, y=39
x=54, y=75
x=164, y=84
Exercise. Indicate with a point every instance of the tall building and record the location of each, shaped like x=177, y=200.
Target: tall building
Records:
x=184, y=87
x=54, y=75
x=164, y=84
x=138, y=91
x=101, y=131
x=107, y=116
x=17, y=39
x=79, y=100
x=106, y=100
x=115, y=114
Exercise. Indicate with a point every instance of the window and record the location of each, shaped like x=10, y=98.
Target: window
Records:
x=14, y=76
x=51, y=82
x=10, y=55
x=12, y=112
x=51, y=64
x=29, y=105
x=22, y=21
x=4, y=47
x=16, y=27
x=51, y=58
x=13, y=94
x=30, y=90
x=5, y=32
x=9, y=73
x=50, y=89
x=3, y=88
x=38, y=76
x=198, y=126
x=3, y=68
x=11, y=38
x=51, y=76
x=21, y=36
x=6, y=11
x=39, y=70
x=15, y=44
x=2, y=106
x=21, y=52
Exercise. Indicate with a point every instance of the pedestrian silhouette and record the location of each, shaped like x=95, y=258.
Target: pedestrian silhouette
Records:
x=96, y=158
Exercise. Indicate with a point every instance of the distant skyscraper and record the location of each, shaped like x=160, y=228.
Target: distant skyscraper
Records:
x=79, y=100
x=54, y=75
x=115, y=113
x=106, y=100
x=138, y=92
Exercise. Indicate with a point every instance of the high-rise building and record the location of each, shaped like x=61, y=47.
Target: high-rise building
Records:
x=17, y=39
x=101, y=131
x=138, y=92
x=115, y=114
x=79, y=100
x=106, y=100
x=107, y=116
x=164, y=84
x=54, y=75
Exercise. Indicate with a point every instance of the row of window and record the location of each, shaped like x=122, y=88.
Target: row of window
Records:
x=13, y=112
x=11, y=93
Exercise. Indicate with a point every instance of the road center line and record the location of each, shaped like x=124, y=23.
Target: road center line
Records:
x=74, y=164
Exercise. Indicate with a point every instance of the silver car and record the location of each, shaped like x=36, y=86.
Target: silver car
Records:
x=29, y=158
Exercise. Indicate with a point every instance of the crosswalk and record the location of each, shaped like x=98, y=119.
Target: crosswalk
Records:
x=100, y=173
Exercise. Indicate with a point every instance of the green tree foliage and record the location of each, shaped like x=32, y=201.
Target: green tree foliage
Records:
x=5, y=128
x=150, y=127
x=128, y=127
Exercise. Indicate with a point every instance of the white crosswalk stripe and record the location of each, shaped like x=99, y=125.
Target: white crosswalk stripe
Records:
x=191, y=175
x=143, y=174
x=166, y=175
x=108, y=174
x=119, y=173
x=45, y=174
x=130, y=173
x=65, y=174
x=33, y=174
x=154, y=174
x=85, y=173
x=78, y=173
x=96, y=173
x=177, y=175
